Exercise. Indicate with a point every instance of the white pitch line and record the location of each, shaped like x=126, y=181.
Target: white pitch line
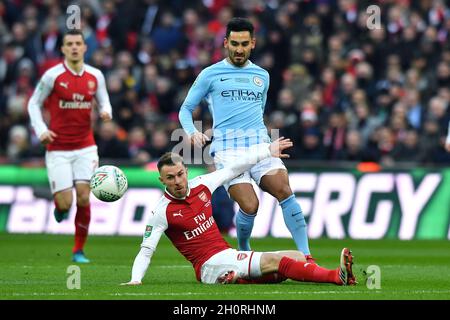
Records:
x=171, y=267
x=106, y=267
x=188, y=266
x=276, y=292
x=184, y=266
x=41, y=294
x=396, y=266
x=233, y=293
x=228, y=293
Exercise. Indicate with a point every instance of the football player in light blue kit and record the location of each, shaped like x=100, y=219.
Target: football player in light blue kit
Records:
x=236, y=92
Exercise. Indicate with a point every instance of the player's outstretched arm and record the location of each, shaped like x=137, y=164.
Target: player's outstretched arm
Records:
x=255, y=154
x=140, y=266
x=278, y=146
x=154, y=229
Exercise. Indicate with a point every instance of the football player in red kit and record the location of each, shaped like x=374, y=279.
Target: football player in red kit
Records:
x=67, y=92
x=184, y=213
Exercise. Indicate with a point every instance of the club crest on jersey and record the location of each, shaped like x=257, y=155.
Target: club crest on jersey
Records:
x=241, y=256
x=258, y=81
x=203, y=196
x=91, y=84
x=91, y=87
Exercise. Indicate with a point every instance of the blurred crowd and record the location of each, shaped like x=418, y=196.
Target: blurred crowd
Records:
x=341, y=90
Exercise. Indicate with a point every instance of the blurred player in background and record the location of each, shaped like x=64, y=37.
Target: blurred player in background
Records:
x=236, y=91
x=67, y=92
x=184, y=213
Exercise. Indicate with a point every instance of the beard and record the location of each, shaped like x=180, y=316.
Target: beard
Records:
x=240, y=61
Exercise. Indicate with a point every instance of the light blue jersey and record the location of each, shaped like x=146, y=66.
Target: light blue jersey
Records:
x=236, y=97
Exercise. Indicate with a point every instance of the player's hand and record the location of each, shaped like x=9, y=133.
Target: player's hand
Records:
x=131, y=283
x=105, y=116
x=199, y=139
x=47, y=137
x=276, y=147
x=447, y=147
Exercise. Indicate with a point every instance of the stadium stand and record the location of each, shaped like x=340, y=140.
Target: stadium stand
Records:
x=341, y=91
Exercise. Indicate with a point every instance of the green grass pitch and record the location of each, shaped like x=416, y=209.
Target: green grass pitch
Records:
x=35, y=267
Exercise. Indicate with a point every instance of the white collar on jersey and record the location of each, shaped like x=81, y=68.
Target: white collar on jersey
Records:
x=73, y=71
x=173, y=197
x=249, y=63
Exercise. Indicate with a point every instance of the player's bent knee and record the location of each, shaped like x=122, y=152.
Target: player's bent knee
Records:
x=249, y=205
x=293, y=254
x=270, y=262
x=63, y=201
x=249, y=208
x=83, y=200
x=83, y=193
x=283, y=193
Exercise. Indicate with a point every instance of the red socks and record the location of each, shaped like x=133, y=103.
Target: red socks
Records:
x=307, y=272
x=82, y=220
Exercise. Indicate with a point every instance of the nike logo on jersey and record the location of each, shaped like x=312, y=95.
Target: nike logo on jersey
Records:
x=224, y=79
x=64, y=84
x=306, y=264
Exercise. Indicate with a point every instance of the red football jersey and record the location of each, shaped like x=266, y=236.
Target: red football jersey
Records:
x=192, y=226
x=189, y=224
x=68, y=96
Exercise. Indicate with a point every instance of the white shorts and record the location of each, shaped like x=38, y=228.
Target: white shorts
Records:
x=66, y=167
x=225, y=158
x=245, y=263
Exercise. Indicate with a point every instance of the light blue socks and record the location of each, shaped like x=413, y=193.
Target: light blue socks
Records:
x=295, y=222
x=293, y=217
x=244, y=226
